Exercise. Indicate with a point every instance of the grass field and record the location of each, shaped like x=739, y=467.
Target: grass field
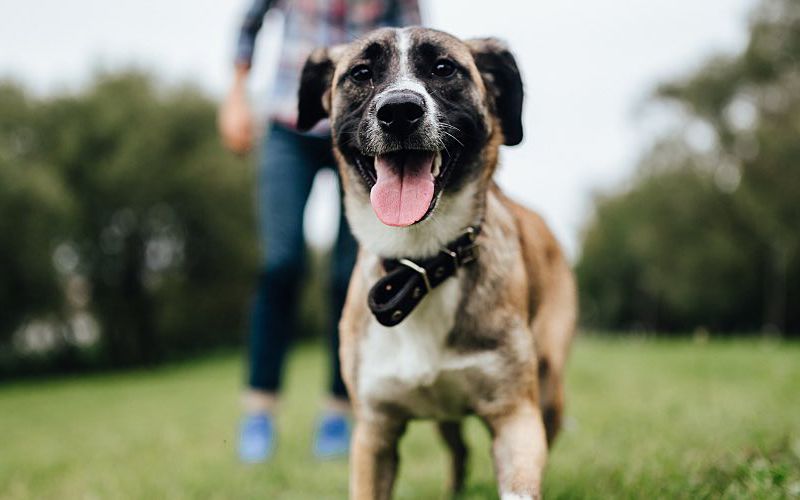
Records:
x=647, y=419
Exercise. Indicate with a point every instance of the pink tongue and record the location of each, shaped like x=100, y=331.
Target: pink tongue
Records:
x=404, y=189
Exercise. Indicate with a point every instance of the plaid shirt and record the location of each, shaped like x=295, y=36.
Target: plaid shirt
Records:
x=315, y=23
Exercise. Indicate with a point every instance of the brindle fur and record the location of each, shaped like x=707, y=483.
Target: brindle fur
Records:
x=517, y=301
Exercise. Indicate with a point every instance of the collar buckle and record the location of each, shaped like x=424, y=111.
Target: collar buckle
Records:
x=396, y=294
x=419, y=269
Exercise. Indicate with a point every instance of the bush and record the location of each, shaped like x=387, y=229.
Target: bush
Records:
x=120, y=204
x=708, y=237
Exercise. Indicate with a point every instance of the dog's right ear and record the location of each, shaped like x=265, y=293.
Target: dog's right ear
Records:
x=314, y=97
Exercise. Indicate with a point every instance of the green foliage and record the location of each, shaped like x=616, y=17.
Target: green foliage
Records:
x=708, y=236
x=125, y=188
x=35, y=207
x=645, y=419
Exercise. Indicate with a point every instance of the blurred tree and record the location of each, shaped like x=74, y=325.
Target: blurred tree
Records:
x=35, y=210
x=126, y=186
x=707, y=235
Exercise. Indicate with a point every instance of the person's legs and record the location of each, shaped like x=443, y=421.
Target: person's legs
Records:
x=285, y=176
x=284, y=183
x=333, y=435
x=343, y=258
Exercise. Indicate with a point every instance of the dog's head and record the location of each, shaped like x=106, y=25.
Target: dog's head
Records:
x=417, y=116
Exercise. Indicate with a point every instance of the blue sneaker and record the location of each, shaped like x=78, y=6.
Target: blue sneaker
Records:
x=256, y=438
x=332, y=438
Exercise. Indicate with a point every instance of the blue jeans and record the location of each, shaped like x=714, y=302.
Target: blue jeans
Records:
x=289, y=161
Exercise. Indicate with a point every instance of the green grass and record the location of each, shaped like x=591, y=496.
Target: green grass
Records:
x=647, y=419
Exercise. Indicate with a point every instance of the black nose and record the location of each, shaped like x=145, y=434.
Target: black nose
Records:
x=400, y=113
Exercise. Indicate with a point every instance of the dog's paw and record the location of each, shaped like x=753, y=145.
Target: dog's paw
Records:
x=517, y=496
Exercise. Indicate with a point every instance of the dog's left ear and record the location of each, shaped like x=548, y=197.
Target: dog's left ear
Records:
x=314, y=97
x=503, y=83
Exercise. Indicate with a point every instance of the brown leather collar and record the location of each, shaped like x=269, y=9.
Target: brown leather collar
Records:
x=407, y=282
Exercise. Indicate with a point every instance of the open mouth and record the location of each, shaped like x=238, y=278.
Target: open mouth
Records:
x=405, y=185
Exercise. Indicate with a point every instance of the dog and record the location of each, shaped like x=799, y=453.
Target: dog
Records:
x=461, y=301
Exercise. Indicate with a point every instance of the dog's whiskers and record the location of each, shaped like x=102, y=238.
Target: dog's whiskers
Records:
x=453, y=137
x=445, y=124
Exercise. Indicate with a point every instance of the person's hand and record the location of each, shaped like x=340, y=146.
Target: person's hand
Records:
x=235, y=120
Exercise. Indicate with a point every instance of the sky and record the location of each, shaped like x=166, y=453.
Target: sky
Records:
x=589, y=70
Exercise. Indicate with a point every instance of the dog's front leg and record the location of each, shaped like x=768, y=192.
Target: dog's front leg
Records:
x=373, y=458
x=519, y=448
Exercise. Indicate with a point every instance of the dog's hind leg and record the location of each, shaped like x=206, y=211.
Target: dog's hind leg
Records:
x=454, y=439
x=551, y=393
x=553, y=329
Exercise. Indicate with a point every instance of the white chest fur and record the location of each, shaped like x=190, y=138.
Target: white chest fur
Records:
x=411, y=366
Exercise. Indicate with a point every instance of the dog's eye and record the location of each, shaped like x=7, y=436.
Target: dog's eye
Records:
x=444, y=68
x=361, y=73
